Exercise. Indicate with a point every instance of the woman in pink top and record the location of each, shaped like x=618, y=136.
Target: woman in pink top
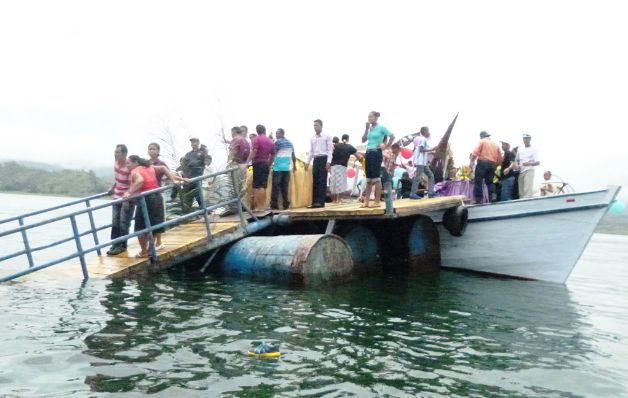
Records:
x=144, y=178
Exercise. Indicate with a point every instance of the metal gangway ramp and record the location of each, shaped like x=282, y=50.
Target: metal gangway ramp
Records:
x=187, y=236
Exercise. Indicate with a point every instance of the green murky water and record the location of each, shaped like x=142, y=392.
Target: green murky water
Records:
x=180, y=333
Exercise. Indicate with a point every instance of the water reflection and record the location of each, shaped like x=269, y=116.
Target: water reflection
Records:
x=441, y=334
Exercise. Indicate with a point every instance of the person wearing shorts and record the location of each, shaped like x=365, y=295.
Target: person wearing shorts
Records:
x=262, y=152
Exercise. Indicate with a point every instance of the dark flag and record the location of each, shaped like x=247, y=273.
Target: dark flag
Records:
x=438, y=165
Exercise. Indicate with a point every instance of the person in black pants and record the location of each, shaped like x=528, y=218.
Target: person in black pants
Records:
x=193, y=166
x=321, y=149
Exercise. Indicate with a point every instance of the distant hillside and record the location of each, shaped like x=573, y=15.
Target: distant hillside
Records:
x=16, y=177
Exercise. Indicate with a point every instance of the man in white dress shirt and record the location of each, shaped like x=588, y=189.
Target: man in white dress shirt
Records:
x=527, y=159
x=321, y=149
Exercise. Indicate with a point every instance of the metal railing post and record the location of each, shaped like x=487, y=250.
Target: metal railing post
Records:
x=204, y=206
x=389, y=200
x=151, y=239
x=27, y=246
x=79, y=247
x=92, y=224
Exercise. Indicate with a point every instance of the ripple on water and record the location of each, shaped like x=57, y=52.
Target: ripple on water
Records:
x=187, y=335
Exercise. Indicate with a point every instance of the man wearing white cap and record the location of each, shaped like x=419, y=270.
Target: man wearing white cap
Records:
x=527, y=159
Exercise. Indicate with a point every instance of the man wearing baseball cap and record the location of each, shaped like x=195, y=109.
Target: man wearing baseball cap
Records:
x=193, y=166
x=488, y=157
x=527, y=159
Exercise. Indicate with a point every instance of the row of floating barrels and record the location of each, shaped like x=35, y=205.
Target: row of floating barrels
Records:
x=413, y=242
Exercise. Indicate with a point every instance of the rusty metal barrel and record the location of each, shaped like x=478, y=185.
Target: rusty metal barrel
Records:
x=307, y=257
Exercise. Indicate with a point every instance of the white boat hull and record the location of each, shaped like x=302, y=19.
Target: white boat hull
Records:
x=539, y=238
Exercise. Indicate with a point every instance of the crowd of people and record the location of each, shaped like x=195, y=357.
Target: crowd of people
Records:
x=508, y=174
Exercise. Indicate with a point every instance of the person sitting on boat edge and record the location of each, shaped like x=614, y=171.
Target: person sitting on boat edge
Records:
x=527, y=159
x=144, y=178
x=404, y=186
x=421, y=163
x=488, y=156
x=547, y=187
x=377, y=137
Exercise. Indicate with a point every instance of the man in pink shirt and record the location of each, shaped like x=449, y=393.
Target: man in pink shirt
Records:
x=239, y=151
x=263, y=149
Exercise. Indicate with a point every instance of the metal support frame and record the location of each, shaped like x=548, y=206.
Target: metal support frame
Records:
x=203, y=205
x=389, y=201
x=79, y=247
x=331, y=224
x=27, y=246
x=93, y=225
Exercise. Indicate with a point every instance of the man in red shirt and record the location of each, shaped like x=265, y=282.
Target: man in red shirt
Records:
x=262, y=152
x=488, y=156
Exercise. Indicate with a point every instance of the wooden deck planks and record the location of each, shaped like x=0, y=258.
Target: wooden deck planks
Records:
x=403, y=208
x=178, y=241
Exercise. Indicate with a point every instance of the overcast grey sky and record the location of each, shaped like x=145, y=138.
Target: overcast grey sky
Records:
x=77, y=78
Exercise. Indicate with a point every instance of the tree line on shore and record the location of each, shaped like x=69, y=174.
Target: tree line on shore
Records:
x=15, y=177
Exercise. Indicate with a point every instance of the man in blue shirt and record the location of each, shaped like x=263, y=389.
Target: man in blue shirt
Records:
x=284, y=155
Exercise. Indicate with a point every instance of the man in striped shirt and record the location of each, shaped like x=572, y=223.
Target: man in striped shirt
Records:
x=122, y=213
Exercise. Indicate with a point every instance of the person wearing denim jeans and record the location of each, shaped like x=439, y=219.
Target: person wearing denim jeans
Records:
x=284, y=157
x=121, y=216
x=122, y=213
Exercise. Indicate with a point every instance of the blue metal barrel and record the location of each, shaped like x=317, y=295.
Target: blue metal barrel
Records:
x=365, y=247
x=423, y=245
x=310, y=257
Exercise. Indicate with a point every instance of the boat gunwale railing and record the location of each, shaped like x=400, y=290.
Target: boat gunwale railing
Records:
x=203, y=211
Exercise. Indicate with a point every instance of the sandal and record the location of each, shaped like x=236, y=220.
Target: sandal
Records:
x=141, y=255
x=160, y=247
x=375, y=206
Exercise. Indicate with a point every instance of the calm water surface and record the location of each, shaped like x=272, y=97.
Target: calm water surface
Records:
x=181, y=333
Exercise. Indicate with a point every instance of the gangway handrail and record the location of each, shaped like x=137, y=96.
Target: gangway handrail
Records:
x=140, y=198
x=46, y=210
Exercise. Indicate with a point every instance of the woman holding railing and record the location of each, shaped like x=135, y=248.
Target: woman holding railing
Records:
x=144, y=178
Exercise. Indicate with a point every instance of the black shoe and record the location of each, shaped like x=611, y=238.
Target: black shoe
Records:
x=116, y=250
x=316, y=206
